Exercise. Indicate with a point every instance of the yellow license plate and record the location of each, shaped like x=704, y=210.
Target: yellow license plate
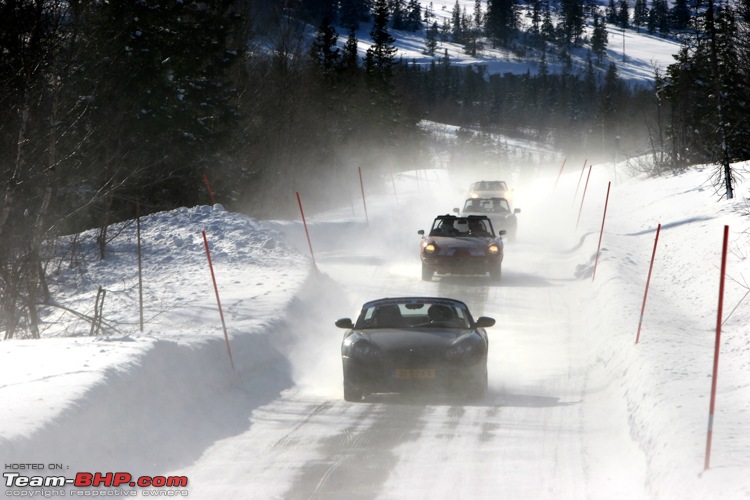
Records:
x=420, y=373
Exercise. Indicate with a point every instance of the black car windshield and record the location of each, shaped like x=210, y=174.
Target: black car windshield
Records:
x=461, y=226
x=414, y=313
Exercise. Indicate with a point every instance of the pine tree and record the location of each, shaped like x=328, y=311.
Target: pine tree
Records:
x=640, y=14
x=431, y=41
x=478, y=18
x=501, y=21
x=349, y=54
x=445, y=30
x=623, y=15
x=548, y=29
x=612, y=12
x=658, y=17
x=680, y=15
x=398, y=14
x=323, y=50
x=380, y=57
x=352, y=12
x=457, y=35
x=414, y=16
x=599, y=39
x=572, y=20
x=610, y=103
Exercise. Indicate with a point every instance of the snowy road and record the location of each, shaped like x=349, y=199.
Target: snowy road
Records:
x=545, y=430
x=574, y=410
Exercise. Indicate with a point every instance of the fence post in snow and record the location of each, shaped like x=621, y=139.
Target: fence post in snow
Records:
x=648, y=280
x=601, y=232
x=218, y=301
x=712, y=407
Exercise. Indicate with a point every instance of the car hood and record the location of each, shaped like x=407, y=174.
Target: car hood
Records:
x=465, y=242
x=393, y=339
x=492, y=215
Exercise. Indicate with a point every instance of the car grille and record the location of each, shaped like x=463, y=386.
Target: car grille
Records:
x=417, y=357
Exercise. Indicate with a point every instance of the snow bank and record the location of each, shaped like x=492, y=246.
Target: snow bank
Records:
x=121, y=390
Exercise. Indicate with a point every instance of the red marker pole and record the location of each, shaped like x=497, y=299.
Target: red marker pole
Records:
x=218, y=301
x=583, y=196
x=362, y=188
x=579, y=181
x=648, y=280
x=601, y=232
x=210, y=192
x=307, y=233
x=559, y=173
x=719, y=314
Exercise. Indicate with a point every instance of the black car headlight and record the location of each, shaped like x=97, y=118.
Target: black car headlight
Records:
x=463, y=350
x=366, y=351
x=430, y=249
x=493, y=249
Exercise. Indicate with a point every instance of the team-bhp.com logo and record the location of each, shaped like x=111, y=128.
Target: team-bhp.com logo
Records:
x=94, y=484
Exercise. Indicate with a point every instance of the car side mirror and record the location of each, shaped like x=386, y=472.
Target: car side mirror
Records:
x=517, y=211
x=456, y=211
x=421, y=232
x=345, y=323
x=484, y=322
x=502, y=232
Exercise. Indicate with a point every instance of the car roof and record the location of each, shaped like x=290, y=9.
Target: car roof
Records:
x=493, y=198
x=461, y=217
x=491, y=182
x=415, y=300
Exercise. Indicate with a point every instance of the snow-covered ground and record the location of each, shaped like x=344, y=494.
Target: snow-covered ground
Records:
x=576, y=409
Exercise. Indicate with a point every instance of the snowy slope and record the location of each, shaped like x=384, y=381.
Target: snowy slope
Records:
x=636, y=54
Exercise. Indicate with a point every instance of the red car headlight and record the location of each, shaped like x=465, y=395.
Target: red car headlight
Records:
x=493, y=249
x=430, y=249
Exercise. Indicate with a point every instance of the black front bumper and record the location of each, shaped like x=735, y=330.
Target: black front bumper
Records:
x=405, y=377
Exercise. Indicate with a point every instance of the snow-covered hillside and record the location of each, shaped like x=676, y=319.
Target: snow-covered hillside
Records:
x=636, y=54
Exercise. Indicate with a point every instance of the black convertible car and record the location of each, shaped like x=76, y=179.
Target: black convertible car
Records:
x=414, y=343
